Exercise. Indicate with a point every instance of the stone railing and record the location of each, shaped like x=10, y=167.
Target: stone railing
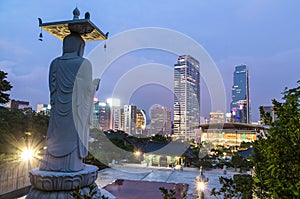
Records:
x=15, y=175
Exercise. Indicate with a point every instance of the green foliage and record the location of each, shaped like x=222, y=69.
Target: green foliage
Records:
x=90, y=159
x=244, y=185
x=228, y=189
x=167, y=194
x=265, y=117
x=237, y=187
x=14, y=123
x=277, y=157
x=4, y=87
x=93, y=190
x=237, y=161
x=246, y=145
x=105, y=150
x=170, y=194
x=161, y=138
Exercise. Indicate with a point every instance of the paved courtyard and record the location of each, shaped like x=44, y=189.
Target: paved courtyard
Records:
x=187, y=176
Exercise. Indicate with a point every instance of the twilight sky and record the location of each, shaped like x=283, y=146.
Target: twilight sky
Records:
x=262, y=34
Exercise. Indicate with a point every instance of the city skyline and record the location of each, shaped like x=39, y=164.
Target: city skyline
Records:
x=263, y=35
x=186, y=96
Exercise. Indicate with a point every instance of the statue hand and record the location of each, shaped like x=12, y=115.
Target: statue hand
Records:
x=96, y=83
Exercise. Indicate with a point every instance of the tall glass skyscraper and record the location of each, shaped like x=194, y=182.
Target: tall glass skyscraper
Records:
x=240, y=104
x=186, y=97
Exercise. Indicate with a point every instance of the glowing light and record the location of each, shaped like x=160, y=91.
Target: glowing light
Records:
x=102, y=104
x=137, y=153
x=200, y=185
x=27, y=154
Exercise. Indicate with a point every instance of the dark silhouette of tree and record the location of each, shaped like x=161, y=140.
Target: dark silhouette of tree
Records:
x=4, y=87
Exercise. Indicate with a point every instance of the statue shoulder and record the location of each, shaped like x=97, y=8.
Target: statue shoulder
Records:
x=54, y=61
x=86, y=61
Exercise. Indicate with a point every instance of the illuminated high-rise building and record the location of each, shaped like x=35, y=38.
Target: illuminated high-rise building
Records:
x=140, y=121
x=186, y=97
x=115, y=113
x=240, y=104
x=130, y=119
x=101, y=115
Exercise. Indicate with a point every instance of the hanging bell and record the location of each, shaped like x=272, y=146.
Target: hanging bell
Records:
x=41, y=36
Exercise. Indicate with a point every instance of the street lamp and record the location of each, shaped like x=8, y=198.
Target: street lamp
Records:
x=137, y=153
x=201, y=184
x=27, y=154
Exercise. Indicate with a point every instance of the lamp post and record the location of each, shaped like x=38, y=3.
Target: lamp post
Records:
x=27, y=153
x=201, y=183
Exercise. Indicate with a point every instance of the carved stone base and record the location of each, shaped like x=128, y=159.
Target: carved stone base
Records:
x=61, y=185
x=35, y=193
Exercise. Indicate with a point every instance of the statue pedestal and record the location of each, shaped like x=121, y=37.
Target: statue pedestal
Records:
x=56, y=185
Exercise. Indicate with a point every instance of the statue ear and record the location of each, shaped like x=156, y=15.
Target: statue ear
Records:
x=81, y=50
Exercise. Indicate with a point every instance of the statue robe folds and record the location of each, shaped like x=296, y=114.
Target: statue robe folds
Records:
x=71, y=91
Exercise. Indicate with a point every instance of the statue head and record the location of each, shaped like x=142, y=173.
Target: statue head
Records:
x=73, y=43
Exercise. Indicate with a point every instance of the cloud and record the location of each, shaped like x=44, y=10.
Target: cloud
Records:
x=6, y=65
x=32, y=87
x=11, y=48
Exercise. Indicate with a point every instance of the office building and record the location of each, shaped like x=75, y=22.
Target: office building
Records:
x=43, y=108
x=186, y=97
x=230, y=134
x=216, y=117
x=115, y=113
x=129, y=119
x=18, y=104
x=140, y=121
x=240, y=104
x=101, y=115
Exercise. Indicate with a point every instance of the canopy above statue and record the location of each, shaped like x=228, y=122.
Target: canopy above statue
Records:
x=87, y=30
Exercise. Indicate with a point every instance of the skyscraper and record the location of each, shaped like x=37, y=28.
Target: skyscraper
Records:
x=186, y=97
x=130, y=119
x=240, y=104
x=140, y=121
x=101, y=115
x=115, y=113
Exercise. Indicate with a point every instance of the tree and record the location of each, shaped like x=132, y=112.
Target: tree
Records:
x=237, y=187
x=277, y=157
x=4, y=87
x=228, y=189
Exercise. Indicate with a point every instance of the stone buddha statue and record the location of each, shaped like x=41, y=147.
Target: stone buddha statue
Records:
x=71, y=97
